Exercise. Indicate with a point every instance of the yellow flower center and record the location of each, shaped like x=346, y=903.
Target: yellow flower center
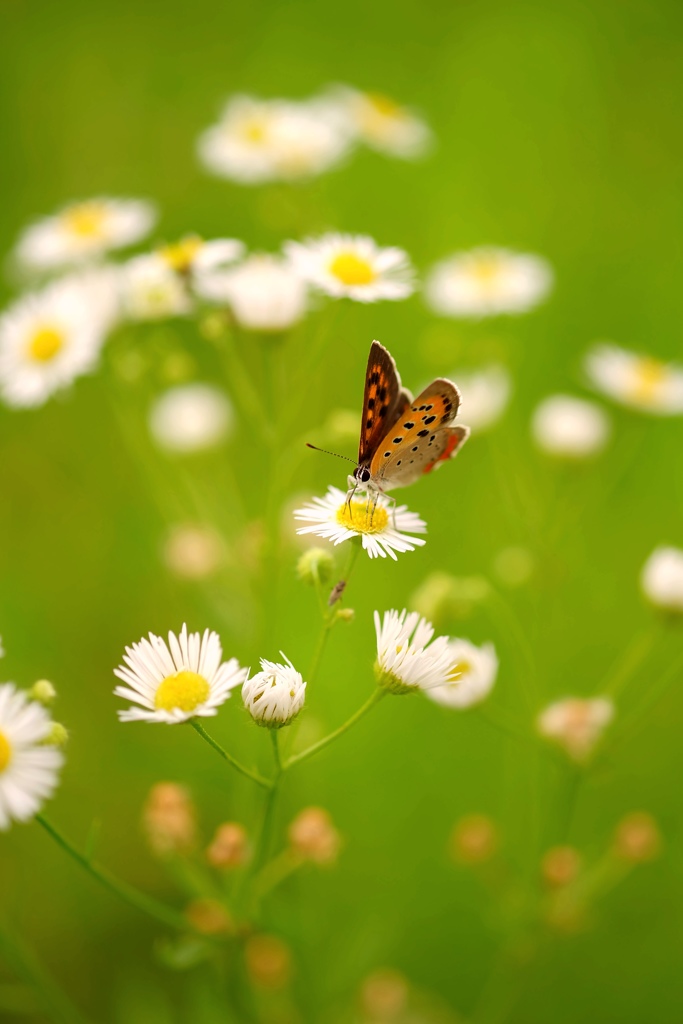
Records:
x=180, y=255
x=5, y=752
x=460, y=669
x=45, y=344
x=361, y=517
x=88, y=220
x=485, y=271
x=255, y=129
x=185, y=690
x=384, y=105
x=648, y=376
x=351, y=269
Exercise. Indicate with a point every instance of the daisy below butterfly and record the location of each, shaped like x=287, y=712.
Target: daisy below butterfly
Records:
x=401, y=439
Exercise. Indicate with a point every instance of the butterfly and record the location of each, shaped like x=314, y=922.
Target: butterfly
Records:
x=402, y=438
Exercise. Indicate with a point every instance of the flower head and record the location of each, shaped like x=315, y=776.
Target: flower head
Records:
x=169, y=819
x=570, y=427
x=28, y=765
x=473, y=673
x=312, y=836
x=229, y=848
x=192, y=257
x=175, y=681
x=383, y=124
x=352, y=266
x=662, y=579
x=488, y=281
x=637, y=838
x=266, y=140
x=406, y=660
x=152, y=289
x=275, y=695
x=474, y=839
x=485, y=394
x=576, y=724
x=639, y=381
x=190, y=417
x=380, y=527
x=84, y=231
x=264, y=293
x=50, y=337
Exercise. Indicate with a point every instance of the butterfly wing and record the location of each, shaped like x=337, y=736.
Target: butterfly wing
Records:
x=384, y=400
x=421, y=439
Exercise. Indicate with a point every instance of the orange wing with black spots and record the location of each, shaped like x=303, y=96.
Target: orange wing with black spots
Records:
x=421, y=438
x=383, y=401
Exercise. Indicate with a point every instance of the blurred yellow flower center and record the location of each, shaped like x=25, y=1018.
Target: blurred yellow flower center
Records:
x=351, y=269
x=460, y=669
x=185, y=690
x=648, y=375
x=360, y=516
x=384, y=105
x=45, y=344
x=5, y=752
x=254, y=129
x=485, y=271
x=87, y=220
x=179, y=256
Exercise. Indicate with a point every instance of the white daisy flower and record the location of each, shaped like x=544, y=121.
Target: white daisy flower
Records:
x=382, y=529
x=50, y=337
x=406, y=660
x=275, y=695
x=28, y=765
x=570, y=427
x=172, y=682
x=84, y=231
x=636, y=380
x=352, y=266
x=382, y=124
x=662, y=579
x=266, y=140
x=152, y=289
x=473, y=673
x=576, y=724
x=485, y=394
x=193, y=257
x=264, y=293
x=488, y=281
x=190, y=418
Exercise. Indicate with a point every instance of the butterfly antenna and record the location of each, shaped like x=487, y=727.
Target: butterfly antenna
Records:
x=325, y=452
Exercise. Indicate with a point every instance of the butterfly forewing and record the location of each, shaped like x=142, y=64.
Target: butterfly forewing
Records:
x=383, y=401
x=407, y=463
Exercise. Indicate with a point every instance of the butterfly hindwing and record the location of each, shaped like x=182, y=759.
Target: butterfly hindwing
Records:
x=382, y=399
x=408, y=462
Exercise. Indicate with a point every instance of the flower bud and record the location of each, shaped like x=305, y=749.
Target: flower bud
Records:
x=313, y=836
x=275, y=695
x=268, y=962
x=576, y=724
x=637, y=838
x=58, y=735
x=560, y=866
x=169, y=819
x=209, y=917
x=345, y=615
x=384, y=995
x=43, y=691
x=474, y=839
x=315, y=566
x=229, y=848
x=662, y=579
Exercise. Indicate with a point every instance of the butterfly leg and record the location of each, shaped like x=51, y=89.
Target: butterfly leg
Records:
x=349, y=496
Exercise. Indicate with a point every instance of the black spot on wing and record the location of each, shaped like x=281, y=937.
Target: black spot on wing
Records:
x=422, y=433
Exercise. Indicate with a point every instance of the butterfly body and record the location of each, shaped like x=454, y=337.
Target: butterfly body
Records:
x=403, y=438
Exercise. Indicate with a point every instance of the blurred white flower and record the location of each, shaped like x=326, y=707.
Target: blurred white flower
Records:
x=50, y=337
x=190, y=417
x=172, y=682
x=406, y=660
x=382, y=124
x=264, y=293
x=84, y=231
x=570, y=427
x=473, y=673
x=381, y=529
x=28, y=765
x=193, y=551
x=488, y=281
x=636, y=380
x=265, y=140
x=576, y=724
x=152, y=289
x=192, y=257
x=352, y=266
x=485, y=394
x=275, y=695
x=662, y=578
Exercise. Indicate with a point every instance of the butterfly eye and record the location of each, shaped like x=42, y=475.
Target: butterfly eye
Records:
x=364, y=476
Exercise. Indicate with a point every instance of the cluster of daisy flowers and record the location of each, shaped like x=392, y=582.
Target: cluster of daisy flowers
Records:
x=261, y=140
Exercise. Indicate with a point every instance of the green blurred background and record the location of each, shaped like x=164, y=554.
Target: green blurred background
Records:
x=558, y=130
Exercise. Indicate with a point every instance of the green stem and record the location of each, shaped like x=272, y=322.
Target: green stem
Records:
x=130, y=895
x=55, y=1003
x=370, y=703
x=635, y=655
x=237, y=765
